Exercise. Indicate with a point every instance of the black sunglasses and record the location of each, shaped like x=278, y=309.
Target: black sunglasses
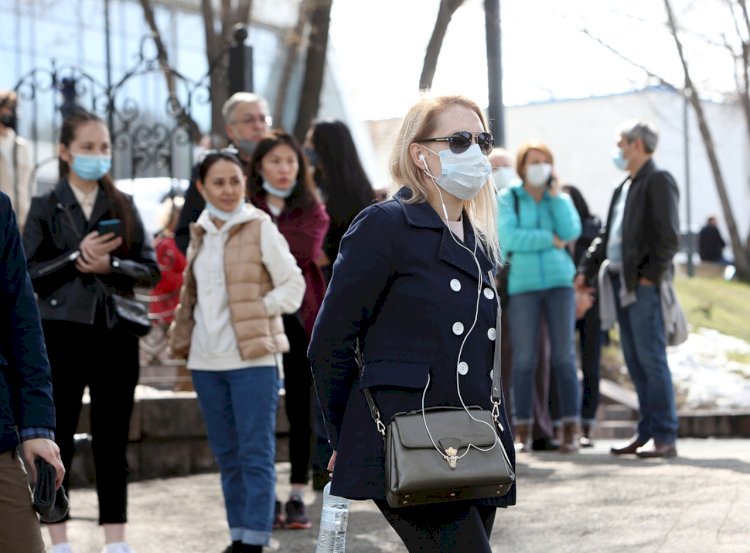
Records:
x=460, y=141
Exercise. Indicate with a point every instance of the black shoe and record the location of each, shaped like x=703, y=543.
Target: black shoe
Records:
x=296, y=518
x=233, y=547
x=545, y=444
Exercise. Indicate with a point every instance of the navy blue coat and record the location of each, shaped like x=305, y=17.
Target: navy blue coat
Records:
x=400, y=287
x=25, y=383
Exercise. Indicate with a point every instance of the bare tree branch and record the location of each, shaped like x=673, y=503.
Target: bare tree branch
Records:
x=634, y=63
x=445, y=13
x=293, y=42
x=166, y=69
x=742, y=256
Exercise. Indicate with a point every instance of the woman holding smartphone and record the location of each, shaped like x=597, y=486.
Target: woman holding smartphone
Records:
x=75, y=269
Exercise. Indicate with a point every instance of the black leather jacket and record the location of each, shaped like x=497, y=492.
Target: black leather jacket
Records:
x=50, y=241
x=650, y=229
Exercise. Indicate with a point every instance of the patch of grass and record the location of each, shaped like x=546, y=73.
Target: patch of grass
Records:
x=717, y=304
x=739, y=357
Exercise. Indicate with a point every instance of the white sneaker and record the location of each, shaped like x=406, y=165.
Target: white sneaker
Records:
x=62, y=548
x=118, y=547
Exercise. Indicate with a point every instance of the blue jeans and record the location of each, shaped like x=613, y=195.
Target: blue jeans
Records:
x=239, y=407
x=558, y=308
x=645, y=352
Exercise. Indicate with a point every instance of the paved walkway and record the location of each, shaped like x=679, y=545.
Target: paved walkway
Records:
x=591, y=502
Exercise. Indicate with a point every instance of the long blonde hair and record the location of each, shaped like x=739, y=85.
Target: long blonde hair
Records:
x=420, y=122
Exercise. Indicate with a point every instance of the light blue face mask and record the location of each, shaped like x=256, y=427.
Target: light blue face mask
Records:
x=222, y=215
x=464, y=174
x=284, y=194
x=91, y=167
x=619, y=159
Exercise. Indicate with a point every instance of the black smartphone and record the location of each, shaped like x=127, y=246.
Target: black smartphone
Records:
x=109, y=225
x=549, y=181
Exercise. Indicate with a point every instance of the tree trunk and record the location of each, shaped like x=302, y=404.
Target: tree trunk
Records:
x=293, y=45
x=217, y=69
x=741, y=254
x=183, y=117
x=445, y=13
x=312, y=83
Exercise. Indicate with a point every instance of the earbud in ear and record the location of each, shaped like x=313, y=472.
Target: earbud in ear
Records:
x=421, y=158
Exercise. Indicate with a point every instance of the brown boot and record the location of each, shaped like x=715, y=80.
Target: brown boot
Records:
x=523, y=438
x=569, y=442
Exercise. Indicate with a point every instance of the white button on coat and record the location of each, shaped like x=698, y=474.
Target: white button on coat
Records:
x=458, y=329
x=491, y=334
x=463, y=368
x=455, y=285
x=489, y=294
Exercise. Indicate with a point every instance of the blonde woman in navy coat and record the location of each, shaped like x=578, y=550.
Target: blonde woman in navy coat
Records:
x=413, y=286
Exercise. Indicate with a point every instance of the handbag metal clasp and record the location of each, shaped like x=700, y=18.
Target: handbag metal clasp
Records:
x=451, y=455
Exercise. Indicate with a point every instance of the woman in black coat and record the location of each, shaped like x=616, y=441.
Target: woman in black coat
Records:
x=413, y=288
x=75, y=269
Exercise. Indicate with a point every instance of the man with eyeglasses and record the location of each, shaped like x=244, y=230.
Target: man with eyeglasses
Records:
x=246, y=122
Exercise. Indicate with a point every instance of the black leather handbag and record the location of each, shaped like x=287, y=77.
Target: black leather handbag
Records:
x=132, y=315
x=442, y=454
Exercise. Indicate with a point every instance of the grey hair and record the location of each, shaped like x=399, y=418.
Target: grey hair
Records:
x=645, y=130
x=227, y=110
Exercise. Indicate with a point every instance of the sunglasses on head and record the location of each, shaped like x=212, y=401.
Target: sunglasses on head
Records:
x=460, y=141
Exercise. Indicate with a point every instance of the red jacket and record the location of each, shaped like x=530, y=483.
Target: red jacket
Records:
x=305, y=231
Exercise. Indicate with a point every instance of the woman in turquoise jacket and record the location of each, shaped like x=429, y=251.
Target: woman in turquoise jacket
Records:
x=535, y=223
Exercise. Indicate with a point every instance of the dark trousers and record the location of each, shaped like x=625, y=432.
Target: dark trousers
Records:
x=590, y=338
x=298, y=399
x=107, y=362
x=445, y=527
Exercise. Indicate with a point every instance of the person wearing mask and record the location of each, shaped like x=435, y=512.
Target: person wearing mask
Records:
x=341, y=179
x=240, y=279
x=281, y=185
x=246, y=121
x=15, y=159
x=634, y=255
x=26, y=407
x=75, y=270
x=413, y=291
x=543, y=431
x=540, y=284
x=588, y=323
x=503, y=172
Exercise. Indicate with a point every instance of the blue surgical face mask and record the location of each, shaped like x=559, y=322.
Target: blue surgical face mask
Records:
x=245, y=147
x=618, y=158
x=538, y=174
x=91, y=167
x=284, y=194
x=503, y=176
x=220, y=214
x=464, y=174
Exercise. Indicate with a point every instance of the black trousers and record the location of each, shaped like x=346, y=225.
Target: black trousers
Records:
x=107, y=362
x=446, y=527
x=298, y=399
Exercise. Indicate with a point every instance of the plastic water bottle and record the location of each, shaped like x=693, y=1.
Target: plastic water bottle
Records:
x=333, y=519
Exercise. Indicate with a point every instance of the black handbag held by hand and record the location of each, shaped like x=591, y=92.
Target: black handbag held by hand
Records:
x=441, y=454
x=132, y=315
x=51, y=504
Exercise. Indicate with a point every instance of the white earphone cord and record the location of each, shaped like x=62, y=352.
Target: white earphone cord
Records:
x=466, y=337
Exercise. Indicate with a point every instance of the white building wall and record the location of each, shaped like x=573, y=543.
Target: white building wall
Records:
x=581, y=134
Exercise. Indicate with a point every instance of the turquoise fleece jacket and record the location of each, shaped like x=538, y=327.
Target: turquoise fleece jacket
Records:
x=536, y=264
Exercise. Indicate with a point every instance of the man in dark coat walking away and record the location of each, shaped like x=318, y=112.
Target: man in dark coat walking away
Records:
x=27, y=414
